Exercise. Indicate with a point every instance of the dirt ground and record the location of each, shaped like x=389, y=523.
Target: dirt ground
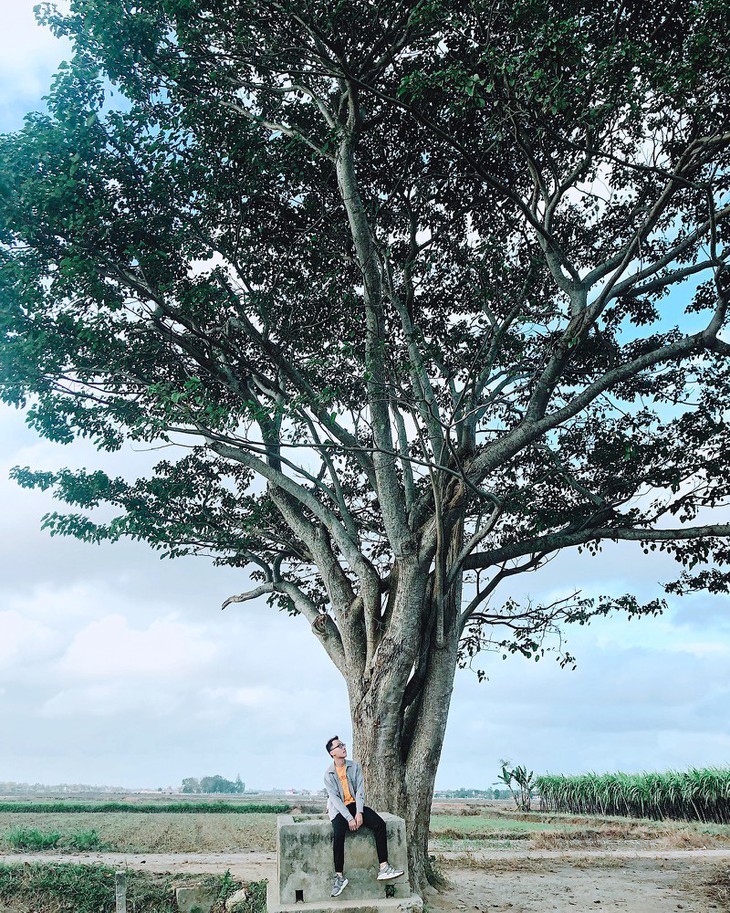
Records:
x=502, y=881
x=631, y=883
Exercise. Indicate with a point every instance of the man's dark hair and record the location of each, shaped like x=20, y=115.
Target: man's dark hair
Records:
x=330, y=741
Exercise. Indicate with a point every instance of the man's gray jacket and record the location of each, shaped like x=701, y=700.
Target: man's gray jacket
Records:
x=336, y=797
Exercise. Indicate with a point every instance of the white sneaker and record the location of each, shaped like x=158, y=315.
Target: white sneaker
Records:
x=388, y=872
x=339, y=885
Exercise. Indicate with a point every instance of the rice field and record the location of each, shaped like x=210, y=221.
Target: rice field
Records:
x=211, y=832
x=161, y=832
x=214, y=833
x=693, y=795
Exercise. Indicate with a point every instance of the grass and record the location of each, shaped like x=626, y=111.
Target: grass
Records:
x=467, y=833
x=153, y=808
x=256, y=901
x=85, y=841
x=127, y=832
x=91, y=889
x=442, y=844
x=26, y=838
x=460, y=833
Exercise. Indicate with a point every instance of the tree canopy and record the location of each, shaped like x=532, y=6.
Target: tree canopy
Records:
x=423, y=292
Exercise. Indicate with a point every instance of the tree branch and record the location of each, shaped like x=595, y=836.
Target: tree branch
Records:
x=553, y=542
x=322, y=625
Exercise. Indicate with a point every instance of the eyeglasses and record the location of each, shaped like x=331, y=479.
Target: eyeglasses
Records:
x=341, y=745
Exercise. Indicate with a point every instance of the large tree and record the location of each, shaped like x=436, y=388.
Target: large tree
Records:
x=425, y=291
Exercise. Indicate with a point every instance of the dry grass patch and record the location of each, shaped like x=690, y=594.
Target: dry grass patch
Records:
x=526, y=863
x=686, y=839
x=451, y=833
x=593, y=836
x=718, y=887
x=555, y=840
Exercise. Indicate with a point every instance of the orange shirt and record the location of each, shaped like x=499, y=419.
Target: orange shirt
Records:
x=342, y=774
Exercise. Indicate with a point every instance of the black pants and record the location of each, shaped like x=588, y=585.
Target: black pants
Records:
x=341, y=828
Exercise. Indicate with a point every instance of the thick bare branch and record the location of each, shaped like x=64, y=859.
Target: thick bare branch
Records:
x=322, y=625
x=554, y=541
x=388, y=486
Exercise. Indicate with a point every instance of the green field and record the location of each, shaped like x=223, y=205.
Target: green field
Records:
x=494, y=829
x=204, y=831
x=474, y=832
x=473, y=824
x=147, y=808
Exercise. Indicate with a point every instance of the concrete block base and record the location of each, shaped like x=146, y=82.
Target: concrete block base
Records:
x=305, y=870
x=410, y=904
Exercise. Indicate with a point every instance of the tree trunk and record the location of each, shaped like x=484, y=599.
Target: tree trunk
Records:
x=400, y=768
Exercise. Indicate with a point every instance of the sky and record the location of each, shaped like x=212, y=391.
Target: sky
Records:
x=119, y=668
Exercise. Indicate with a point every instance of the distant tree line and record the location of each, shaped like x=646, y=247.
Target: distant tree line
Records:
x=214, y=784
x=11, y=788
x=464, y=793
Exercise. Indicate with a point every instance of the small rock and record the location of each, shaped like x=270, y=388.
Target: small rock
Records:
x=237, y=901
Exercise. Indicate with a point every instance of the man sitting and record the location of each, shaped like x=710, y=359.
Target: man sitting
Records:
x=346, y=808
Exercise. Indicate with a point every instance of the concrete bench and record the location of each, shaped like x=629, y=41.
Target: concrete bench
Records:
x=305, y=869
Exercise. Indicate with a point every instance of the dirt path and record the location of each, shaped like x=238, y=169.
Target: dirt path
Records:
x=500, y=881
x=246, y=866
x=641, y=884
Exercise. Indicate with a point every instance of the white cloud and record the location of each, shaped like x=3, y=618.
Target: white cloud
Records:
x=112, y=700
x=109, y=648
x=56, y=606
x=625, y=707
x=29, y=55
x=222, y=705
x=257, y=696
x=24, y=639
x=26, y=45
x=700, y=649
